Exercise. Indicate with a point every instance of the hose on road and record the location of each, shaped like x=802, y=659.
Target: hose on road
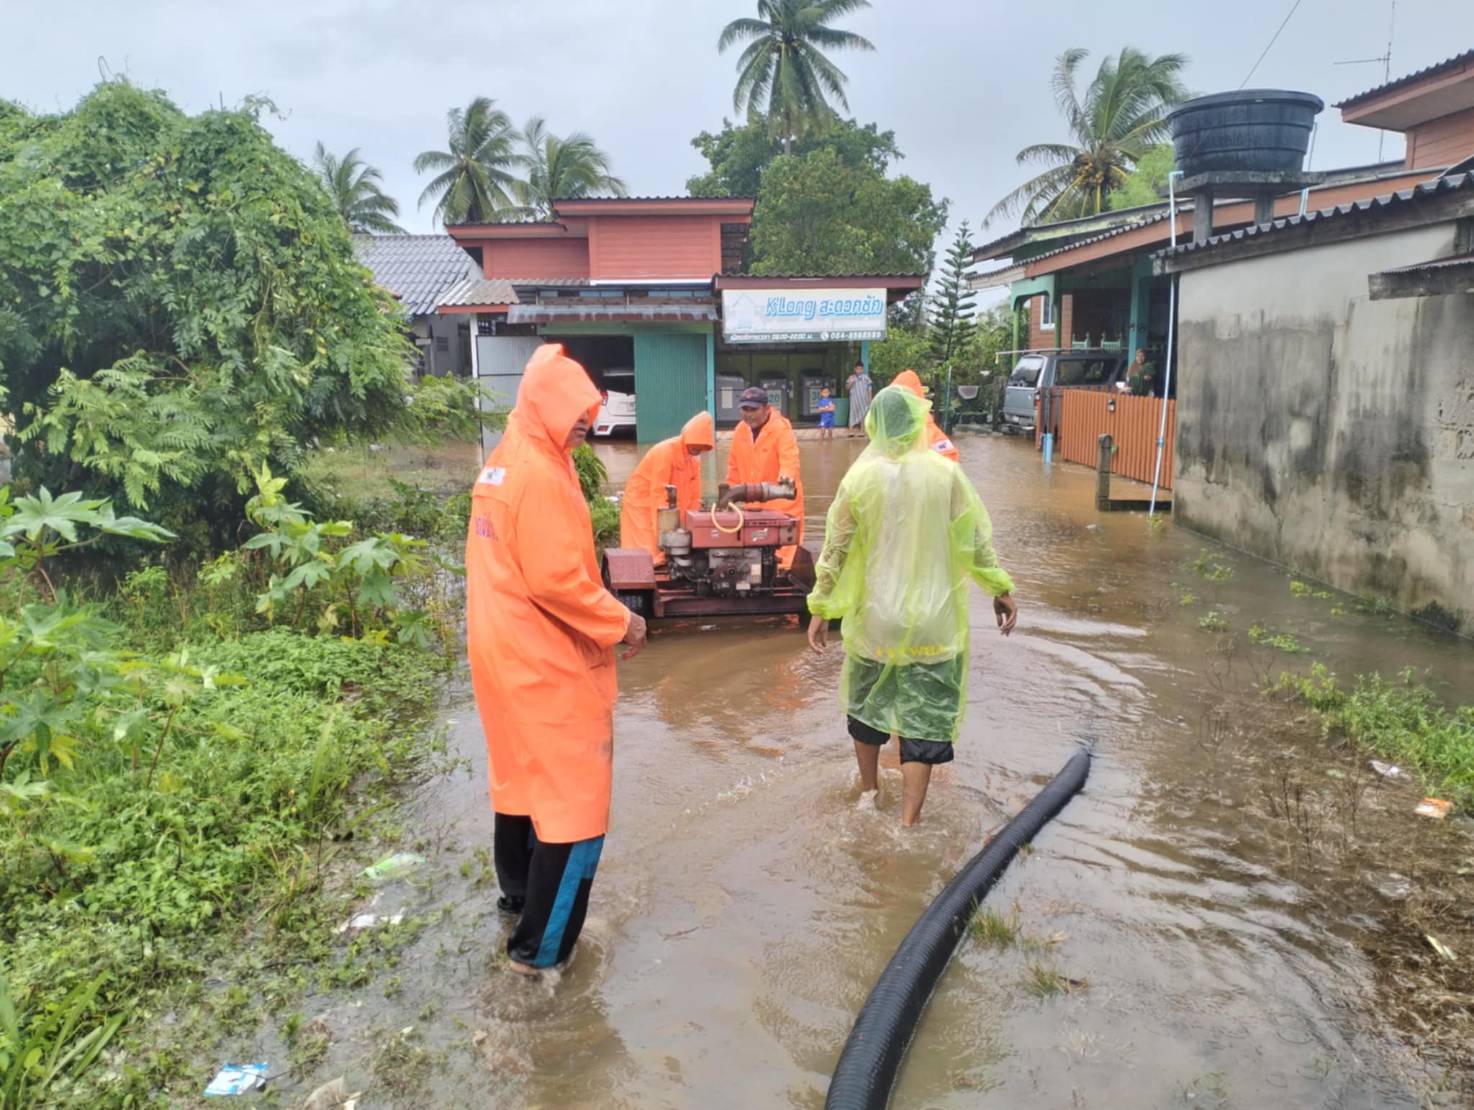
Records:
x=871, y=1059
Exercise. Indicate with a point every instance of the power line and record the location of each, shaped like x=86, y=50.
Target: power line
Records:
x=1272, y=41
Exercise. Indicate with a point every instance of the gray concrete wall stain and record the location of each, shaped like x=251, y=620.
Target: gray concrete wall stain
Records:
x=1330, y=432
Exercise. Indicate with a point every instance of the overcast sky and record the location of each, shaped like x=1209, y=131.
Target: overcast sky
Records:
x=964, y=84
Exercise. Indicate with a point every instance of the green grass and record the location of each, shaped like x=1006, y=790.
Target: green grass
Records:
x=1280, y=641
x=1211, y=568
x=1043, y=981
x=994, y=929
x=1399, y=719
x=1304, y=589
x=1213, y=621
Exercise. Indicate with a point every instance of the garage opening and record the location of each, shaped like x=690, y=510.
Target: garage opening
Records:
x=610, y=361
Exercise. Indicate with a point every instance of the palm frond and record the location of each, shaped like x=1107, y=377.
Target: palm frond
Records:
x=1048, y=154
x=740, y=29
x=833, y=39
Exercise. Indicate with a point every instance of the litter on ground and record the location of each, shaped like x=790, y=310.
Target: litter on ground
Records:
x=237, y=1079
x=393, y=867
x=369, y=921
x=1436, y=808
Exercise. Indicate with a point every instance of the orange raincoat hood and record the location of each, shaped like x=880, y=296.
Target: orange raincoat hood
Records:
x=555, y=392
x=935, y=437
x=909, y=379
x=699, y=431
x=668, y=463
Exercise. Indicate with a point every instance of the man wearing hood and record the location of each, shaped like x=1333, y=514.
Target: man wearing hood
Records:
x=905, y=533
x=540, y=634
x=936, y=439
x=671, y=462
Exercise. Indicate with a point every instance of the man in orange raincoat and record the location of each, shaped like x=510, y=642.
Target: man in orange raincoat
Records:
x=765, y=449
x=540, y=634
x=936, y=439
x=671, y=462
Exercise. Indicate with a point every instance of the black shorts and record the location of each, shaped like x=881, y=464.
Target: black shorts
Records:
x=912, y=751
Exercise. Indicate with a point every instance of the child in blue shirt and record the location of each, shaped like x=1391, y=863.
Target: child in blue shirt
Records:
x=825, y=410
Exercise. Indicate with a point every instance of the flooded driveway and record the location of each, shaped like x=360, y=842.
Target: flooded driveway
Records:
x=1212, y=949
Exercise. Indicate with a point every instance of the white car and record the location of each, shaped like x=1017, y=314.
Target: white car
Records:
x=617, y=413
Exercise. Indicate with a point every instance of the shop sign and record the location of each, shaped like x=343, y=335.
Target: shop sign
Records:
x=802, y=316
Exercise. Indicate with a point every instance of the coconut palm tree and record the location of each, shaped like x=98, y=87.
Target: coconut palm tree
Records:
x=355, y=187
x=1119, y=118
x=566, y=168
x=783, y=73
x=473, y=179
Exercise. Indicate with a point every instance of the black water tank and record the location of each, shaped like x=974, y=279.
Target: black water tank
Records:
x=1249, y=131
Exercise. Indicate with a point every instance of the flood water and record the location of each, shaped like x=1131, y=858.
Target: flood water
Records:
x=748, y=899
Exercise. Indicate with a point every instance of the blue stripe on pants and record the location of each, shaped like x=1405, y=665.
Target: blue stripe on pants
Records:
x=583, y=861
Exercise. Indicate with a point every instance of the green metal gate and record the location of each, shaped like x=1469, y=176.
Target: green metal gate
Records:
x=670, y=382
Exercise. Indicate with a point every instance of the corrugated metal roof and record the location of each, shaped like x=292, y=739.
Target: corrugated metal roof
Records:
x=1346, y=176
x=1451, y=263
x=1372, y=204
x=1061, y=229
x=815, y=277
x=1427, y=71
x=554, y=313
x=1159, y=217
x=478, y=291
x=622, y=200
x=415, y=268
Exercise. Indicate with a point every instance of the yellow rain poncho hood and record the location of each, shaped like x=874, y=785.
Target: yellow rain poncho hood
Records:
x=904, y=535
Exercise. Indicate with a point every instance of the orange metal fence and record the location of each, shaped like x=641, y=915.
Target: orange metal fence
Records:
x=1132, y=422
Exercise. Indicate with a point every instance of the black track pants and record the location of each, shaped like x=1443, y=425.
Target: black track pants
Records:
x=553, y=882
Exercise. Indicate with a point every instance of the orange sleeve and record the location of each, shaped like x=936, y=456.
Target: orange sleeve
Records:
x=788, y=463
x=551, y=550
x=734, y=473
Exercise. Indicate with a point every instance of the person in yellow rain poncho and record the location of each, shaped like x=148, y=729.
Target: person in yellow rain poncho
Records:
x=905, y=533
x=671, y=462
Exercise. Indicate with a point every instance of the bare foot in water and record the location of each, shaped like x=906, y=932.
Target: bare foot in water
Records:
x=525, y=970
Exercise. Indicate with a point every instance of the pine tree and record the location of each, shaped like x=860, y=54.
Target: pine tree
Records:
x=951, y=315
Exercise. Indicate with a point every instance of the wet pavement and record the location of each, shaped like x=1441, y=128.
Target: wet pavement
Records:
x=747, y=897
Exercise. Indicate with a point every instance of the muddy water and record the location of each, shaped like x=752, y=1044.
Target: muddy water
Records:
x=748, y=898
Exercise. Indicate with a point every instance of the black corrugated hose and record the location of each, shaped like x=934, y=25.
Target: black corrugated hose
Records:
x=871, y=1059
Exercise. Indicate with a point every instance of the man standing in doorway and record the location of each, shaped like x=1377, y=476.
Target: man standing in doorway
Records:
x=1141, y=376
x=859, y=387
x=905, y=534
x=540, y=636
x=764, y=449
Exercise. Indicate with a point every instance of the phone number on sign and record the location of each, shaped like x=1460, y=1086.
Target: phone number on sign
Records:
x=804, y=336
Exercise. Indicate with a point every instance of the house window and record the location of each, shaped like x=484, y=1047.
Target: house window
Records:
x=442, y=345
x=1046, y=312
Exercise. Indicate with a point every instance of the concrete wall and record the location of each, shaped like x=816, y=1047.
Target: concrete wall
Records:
x=1330, y=432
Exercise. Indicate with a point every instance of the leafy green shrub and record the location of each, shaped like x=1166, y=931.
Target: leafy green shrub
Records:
x=190, y=308
x=592, y=473
x=1398, y=719
x=156, y=796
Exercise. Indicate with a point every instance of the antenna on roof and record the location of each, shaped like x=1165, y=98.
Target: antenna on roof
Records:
x=1386, y=59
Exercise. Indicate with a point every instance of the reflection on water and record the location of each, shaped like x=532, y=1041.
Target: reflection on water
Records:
x=749, y=897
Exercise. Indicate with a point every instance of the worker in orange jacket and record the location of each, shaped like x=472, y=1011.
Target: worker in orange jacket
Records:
x=936, y=439
x=764, y=449
x=671, y=462
x=540, y=634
